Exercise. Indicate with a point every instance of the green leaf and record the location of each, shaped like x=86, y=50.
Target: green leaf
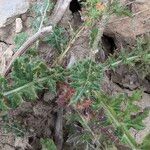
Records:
x=48, y=144
x=93, y=35
x=57, y=39
x=146, y=143
x=14, y=100
x=119, y=9
x=136, y=95
x=40, y=9
x=3, y=84
x=3, y=106
x=119, y=110
x=20, y=39
x=86, y=77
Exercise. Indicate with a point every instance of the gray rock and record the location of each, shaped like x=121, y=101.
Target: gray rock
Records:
x=9, y=9
x=3, y=47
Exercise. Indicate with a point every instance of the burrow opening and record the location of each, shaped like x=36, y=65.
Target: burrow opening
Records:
x=108, y=44
x=75, y=6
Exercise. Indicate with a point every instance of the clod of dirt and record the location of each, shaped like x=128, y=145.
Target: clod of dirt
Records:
x=7, y=33
x=22, y=143
x=6, y=141
x=146, y=86
x=130, y=79
x=125, y=78
x=41, y=121
x=145, y=101
x=126, y=29
x=47, y=53
x=80, y=49
x=39, y=118
x=22, y=111
x=49, y=96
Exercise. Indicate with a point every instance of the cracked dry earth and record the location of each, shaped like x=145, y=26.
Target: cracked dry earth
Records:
x=40, y=116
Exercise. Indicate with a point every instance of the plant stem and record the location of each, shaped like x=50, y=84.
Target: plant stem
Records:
x=24, y=86
x=83, y=86
x=43, y=16
x=59, y=59
x=88, y=128
x=120, y=61
x=112, y=117
x=42, y=21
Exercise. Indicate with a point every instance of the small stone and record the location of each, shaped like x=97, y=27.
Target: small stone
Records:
x=19, y=25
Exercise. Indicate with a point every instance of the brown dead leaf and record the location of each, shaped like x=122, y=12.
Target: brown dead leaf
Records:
x=100, y=6
x=83, y=105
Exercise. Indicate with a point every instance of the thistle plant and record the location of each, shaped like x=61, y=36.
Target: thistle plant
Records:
x=30, y=75
x=96, y=120
x=40, y=10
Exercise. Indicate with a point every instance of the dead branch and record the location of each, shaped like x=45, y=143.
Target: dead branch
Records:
x=59, y=11
x=59, y=129
x=26, y=45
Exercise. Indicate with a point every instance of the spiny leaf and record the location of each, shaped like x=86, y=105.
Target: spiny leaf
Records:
x=146, y=143
x=40, y=9
x=3, y=106
x=14, y=100
x=3, y=84
x=20, y=39
x=120, y=114
x=119, y=9
x=86, y=76
x=57, y=39
x=48, y=144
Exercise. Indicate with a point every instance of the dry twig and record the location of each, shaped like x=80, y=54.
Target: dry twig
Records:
x=59, y=129
x=43, y=32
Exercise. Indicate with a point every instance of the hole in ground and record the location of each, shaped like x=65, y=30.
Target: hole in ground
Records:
x=108, y=48
x=108, y=44
x=31, y=139
x=75, y=6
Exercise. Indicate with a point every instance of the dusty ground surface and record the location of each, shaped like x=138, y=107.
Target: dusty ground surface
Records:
x=40, y=116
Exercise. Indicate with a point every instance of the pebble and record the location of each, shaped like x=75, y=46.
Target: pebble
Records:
x=19, y=25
